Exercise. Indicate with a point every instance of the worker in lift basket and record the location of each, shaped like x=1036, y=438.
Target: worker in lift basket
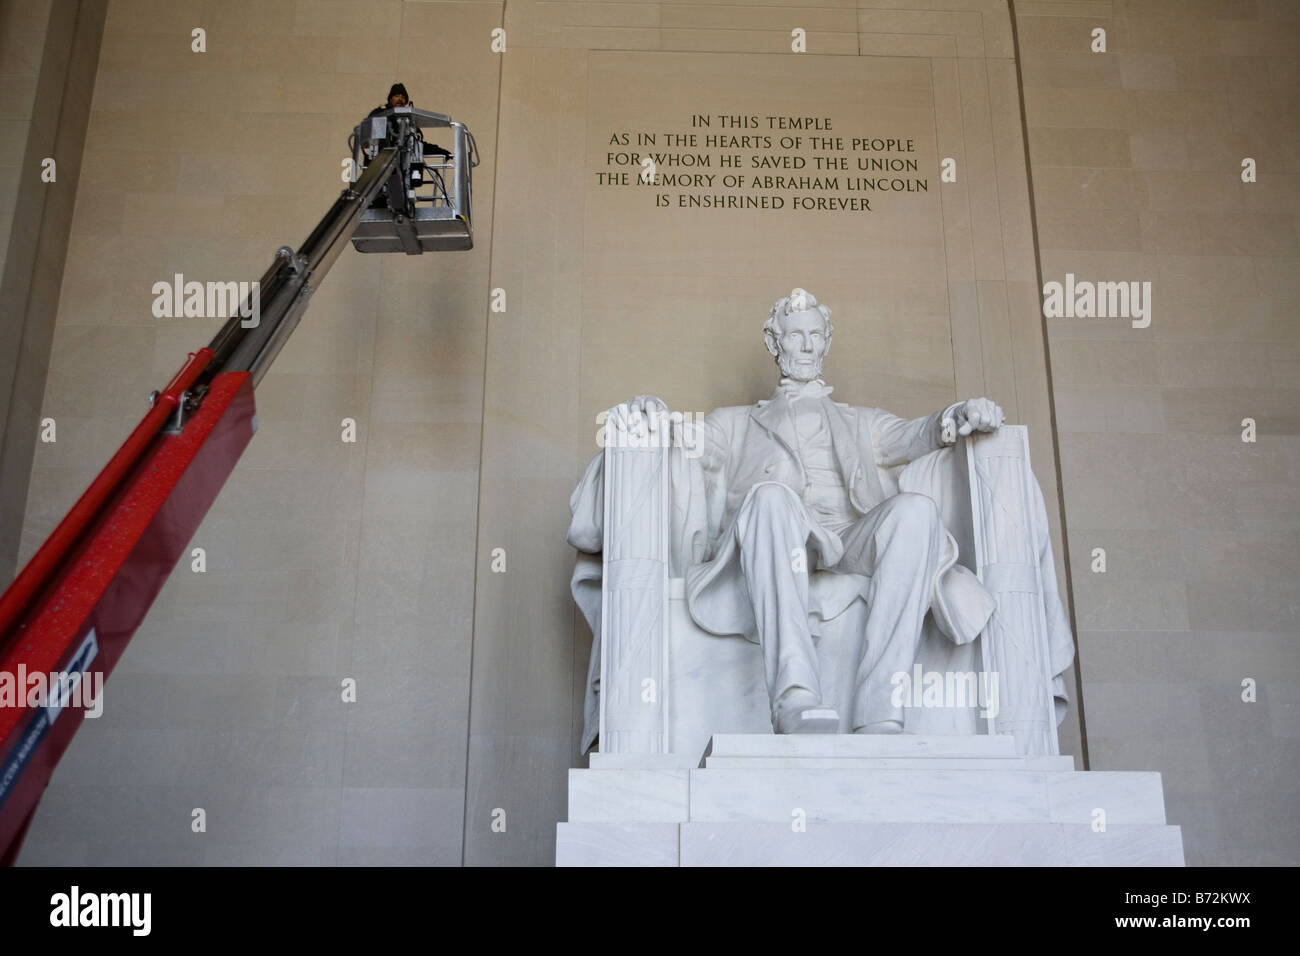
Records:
x=397, y=96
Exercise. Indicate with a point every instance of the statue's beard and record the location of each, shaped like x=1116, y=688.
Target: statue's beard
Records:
x=800, y=373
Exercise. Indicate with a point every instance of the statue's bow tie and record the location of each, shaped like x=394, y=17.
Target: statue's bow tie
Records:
x=793, y=390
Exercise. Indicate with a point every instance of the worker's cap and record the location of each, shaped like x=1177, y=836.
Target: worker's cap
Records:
x=399, y=88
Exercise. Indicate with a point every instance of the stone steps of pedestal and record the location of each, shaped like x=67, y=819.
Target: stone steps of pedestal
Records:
x=952, y=796
x=831, y=750
x=864, y=795
x=1056, y=764
x=860, y=746
x=866, y=844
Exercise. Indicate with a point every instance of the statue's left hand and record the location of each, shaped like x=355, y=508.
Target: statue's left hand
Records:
x=977, y=415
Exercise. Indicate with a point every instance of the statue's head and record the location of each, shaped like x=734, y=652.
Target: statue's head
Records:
x=798, y=333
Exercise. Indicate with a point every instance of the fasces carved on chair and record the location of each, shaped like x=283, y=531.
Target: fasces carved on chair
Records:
x=887, y=575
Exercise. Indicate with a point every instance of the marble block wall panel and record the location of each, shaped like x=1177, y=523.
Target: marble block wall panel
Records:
x=1136, y=164
x=48, y=55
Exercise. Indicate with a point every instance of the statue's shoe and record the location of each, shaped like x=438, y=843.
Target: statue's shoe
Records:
x=800, y=711
x=811, y=720
x=881, y=727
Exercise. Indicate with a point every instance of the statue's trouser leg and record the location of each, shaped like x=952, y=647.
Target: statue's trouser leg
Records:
x=773, y=535
x=898, y=543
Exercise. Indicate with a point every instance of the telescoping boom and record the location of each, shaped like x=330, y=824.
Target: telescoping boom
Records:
x=68, y=616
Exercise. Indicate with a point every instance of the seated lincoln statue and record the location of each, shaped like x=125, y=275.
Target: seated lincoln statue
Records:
x=800, y=484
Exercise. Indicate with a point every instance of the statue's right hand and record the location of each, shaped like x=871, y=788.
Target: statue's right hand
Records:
x=640, y=416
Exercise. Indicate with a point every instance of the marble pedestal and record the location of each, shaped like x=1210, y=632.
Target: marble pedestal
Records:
x=841, y=800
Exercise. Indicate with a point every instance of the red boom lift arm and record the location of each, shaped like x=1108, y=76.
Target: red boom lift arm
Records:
x=69, y=615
